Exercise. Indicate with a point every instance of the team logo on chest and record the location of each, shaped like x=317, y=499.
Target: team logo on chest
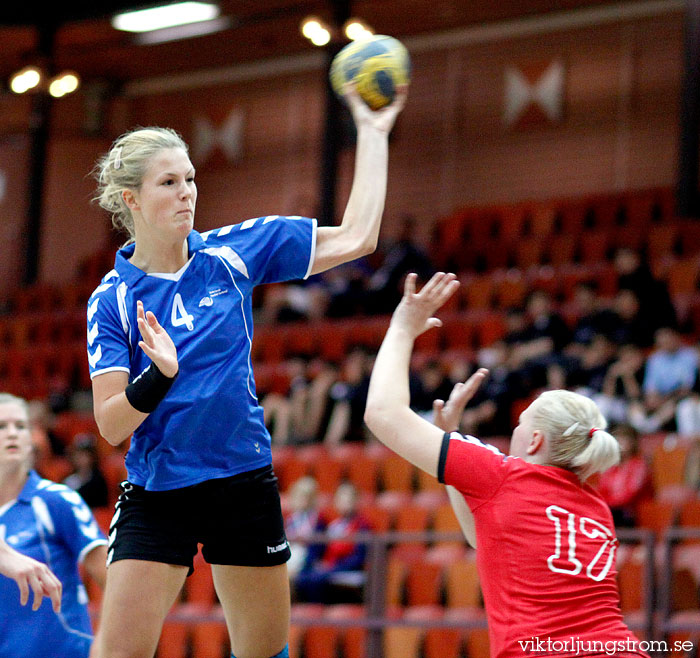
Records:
x=208, y=300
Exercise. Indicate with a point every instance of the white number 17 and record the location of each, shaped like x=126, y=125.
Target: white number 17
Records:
x=565, y=542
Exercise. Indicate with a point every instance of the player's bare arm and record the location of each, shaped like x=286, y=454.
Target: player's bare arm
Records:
x=447, y=415
x=388, y=413
x=115, y=415
x=358, y=232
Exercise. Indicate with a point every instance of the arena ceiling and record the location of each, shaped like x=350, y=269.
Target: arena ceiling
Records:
x=83, y=39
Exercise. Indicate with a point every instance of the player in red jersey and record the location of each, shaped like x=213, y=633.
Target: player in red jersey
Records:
x=546, y=540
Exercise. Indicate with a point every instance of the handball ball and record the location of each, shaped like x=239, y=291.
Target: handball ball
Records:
x=377, y=64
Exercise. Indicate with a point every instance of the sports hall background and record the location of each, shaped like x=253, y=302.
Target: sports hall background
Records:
x=538, y=138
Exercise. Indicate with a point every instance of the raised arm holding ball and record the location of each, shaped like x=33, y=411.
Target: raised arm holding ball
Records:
x=169, y=346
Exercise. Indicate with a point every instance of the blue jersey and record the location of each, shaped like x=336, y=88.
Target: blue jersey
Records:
x=52, y=524
x=210, y=424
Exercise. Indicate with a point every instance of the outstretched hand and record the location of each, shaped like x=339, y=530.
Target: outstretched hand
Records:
x=414, y=313
x=156, y=342
x=446, y=415
x=30, y=574
x=382, y=119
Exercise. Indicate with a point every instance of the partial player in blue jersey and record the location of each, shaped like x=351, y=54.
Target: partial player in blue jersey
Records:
x=46, y=532
x=170, y=331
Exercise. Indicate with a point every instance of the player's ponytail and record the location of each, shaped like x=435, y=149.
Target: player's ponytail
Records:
x=123, y=168
x=575, y=430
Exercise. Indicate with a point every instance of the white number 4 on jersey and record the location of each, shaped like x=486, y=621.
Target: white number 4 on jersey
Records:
x=179, y=314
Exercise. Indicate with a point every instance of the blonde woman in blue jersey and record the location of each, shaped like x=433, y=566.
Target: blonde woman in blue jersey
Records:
x=46, y=532
x=169, y=346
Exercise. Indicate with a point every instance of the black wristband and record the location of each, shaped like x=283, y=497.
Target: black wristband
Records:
x=148, y=389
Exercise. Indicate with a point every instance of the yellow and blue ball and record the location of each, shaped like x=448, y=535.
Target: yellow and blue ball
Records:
x=378, y=65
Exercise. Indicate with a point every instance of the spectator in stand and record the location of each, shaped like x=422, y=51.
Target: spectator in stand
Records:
x=539, y=344
x=402, y=255
x=634, y=273
x=428, y=383
x=622, y=384
x=630, y=327
x=302, y=521
x=87, y=477
x=592, y=318
x=348, y=397
x=626, y=484
x=338, y=565
x=587, y=373
x=688, y=413
x=671, y=370
x=301, y=415
x=489, y=410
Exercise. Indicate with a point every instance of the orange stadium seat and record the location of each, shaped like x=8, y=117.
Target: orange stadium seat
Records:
x=423, y=583
x=443, y=643
x=478, y=643
x=199, y=586
x=683, y=277
x=379, y=518
x=353, y=639
x=328, y=471
x=561, y=249
x=462, y=588
x=173, y=640
x=210, y=640
x=668, y=463
x=477, y=291
x=363, y=471
x=397, y=473
x=655, y=515
x=660, y=240
x=529, y=252
x=511, y=290
x=321, y=641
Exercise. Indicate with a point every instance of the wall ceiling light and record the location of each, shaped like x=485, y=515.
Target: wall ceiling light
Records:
x=165, y=16
x=26, y=79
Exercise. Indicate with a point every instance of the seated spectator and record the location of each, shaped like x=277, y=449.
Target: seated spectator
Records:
x=488, y=412
x=671, y=370
x=348, y=398
x=688, y=413
x=334, y=570
x=87, y=477
x=402, y=254
x=429, y=383
x=629, y=327
x=588, y=372
x=592, y=318
x=625, y=485
x=622, y=384
x=655, y=306
x=300, y=416
x=302, y=521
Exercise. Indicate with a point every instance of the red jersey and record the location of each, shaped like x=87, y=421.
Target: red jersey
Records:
x=545, y=554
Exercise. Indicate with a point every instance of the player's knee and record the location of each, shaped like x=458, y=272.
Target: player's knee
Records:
x=282, y=654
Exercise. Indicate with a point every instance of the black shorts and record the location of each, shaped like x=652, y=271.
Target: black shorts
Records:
x=238, y=520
